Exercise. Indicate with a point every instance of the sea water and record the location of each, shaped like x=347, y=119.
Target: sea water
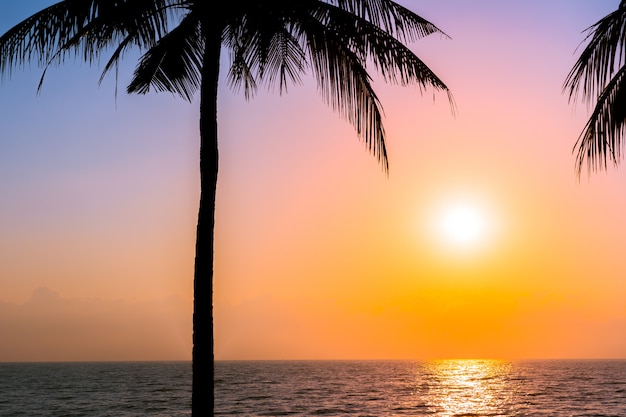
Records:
x=99, y=389
x=437, y=388
x=443, y=388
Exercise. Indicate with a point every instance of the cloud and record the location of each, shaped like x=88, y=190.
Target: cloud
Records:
x=49, y=327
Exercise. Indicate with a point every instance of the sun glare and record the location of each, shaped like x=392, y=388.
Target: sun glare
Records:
x=462, y=224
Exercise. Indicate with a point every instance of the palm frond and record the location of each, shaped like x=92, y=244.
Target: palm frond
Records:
x=84, y=29
x=270, y=42
x=263, y=47
x=602, y=137
x=598, y=75
x=394, y=19
x=174, y=63
x=392, y=59
x=241, y=75
x=345, y=85
x=275, y=56
x=603, y=55
x=40, y=36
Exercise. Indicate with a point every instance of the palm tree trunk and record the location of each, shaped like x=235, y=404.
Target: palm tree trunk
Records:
x=202, y=398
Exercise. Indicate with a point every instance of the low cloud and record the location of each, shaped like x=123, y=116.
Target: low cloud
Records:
x=49, y=327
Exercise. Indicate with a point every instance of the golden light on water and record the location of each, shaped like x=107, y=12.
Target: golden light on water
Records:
x=470, y=386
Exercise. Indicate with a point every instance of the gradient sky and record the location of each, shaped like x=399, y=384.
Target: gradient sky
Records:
x=319, y=254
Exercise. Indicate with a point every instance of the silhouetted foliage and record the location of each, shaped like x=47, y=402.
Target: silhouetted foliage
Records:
x=600, y=72
x=271, y=43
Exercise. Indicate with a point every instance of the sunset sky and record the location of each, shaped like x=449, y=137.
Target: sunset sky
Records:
x=480, y=243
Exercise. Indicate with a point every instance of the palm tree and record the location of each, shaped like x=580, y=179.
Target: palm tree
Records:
x=271, y=43
x=601, y=73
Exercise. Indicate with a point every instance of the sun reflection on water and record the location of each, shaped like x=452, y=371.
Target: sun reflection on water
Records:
x=462, y=387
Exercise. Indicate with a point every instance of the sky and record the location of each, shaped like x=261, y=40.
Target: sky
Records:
x=481, y=242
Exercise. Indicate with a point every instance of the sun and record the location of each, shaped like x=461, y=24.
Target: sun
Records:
x=463, y=224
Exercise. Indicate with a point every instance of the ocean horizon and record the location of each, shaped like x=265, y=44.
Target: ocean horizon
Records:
x=443, y=387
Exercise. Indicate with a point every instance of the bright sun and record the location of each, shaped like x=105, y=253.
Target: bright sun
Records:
x=462, y=224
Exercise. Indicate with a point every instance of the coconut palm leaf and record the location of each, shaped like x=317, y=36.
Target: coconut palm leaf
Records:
x=391, y=57
x=272, y=45
x=600, y=58
x=174, y=63
x=83, y=29
x=598, y=75
x=392, y=18
x=272, y=56
x=601, y=139
x=344, y=83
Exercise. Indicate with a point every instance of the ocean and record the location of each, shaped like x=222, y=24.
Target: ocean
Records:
x=98, y=389
x=446, y=388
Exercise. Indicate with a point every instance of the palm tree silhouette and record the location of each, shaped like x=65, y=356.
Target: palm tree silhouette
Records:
x=600, y=72
x=271, y=43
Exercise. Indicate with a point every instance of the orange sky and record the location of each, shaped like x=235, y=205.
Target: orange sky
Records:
x=319, y=254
